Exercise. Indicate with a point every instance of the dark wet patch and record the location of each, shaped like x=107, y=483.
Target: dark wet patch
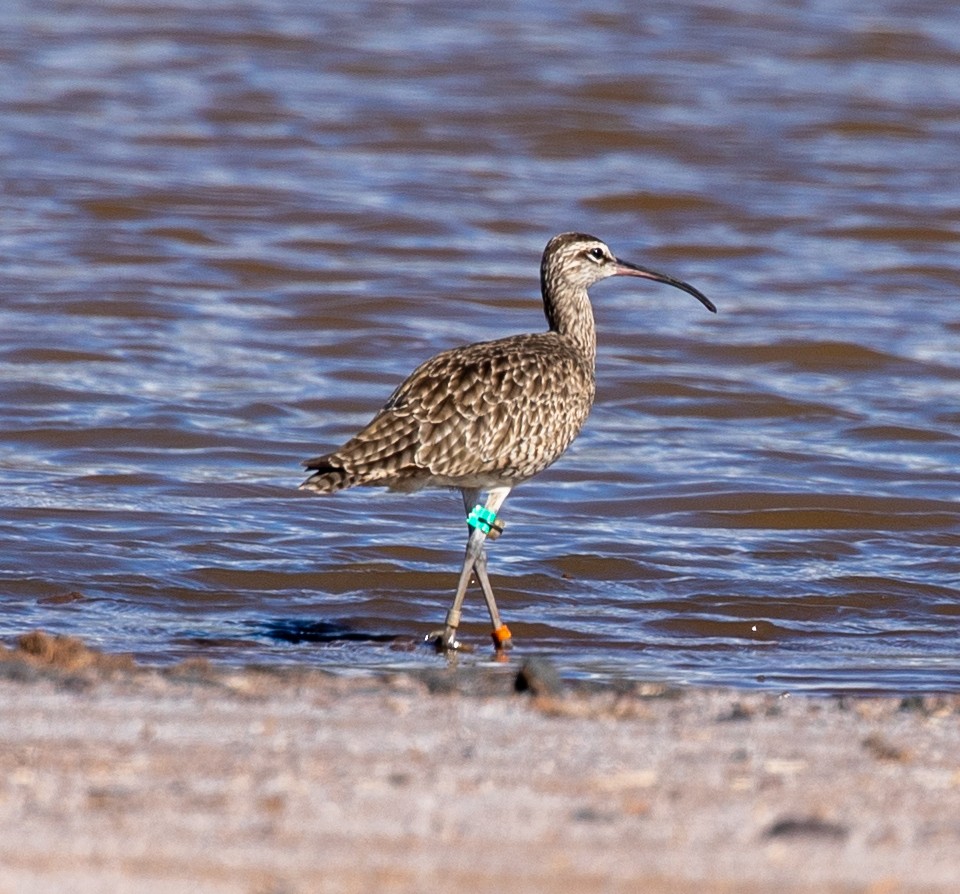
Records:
x=292, y=630
x=807, y=827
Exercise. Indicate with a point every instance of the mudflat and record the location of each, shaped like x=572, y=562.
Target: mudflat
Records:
x=123, y=778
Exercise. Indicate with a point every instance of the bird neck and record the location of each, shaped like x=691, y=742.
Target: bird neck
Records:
x=569, y=314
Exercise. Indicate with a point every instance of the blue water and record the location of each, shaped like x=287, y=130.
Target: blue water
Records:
x=229, y=231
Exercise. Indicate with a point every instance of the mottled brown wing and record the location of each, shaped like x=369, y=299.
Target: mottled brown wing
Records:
x=494, y=411
x=508, y=407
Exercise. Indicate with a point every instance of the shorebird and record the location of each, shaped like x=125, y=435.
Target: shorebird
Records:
x=485, y=417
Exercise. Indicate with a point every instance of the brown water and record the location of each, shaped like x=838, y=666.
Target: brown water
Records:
x=229, y=228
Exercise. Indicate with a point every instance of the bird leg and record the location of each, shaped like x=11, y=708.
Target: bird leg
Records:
x=448, y=639
x=501, y=633
x=475, y=560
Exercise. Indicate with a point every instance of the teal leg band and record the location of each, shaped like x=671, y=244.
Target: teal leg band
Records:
x=485, y=521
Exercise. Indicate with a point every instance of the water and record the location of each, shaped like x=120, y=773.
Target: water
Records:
x=229, y=229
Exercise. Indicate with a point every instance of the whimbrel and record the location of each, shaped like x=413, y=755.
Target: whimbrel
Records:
x=484, y=417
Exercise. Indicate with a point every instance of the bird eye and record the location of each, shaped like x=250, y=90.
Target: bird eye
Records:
x=597, y=254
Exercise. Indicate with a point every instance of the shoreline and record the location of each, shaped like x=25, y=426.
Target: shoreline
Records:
x=123, y=777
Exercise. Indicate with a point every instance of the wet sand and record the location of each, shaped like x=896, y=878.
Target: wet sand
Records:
x=117, y=777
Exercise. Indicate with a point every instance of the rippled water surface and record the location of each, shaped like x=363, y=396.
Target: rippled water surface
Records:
x=230, y=228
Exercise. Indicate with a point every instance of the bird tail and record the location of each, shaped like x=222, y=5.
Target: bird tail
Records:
x=382, y=455
x=327, y=476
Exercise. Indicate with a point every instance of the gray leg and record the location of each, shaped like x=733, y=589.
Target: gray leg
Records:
x=470, y=499
x=501, y=633
x=475, y=560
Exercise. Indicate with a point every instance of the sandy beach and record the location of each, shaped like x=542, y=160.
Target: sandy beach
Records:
x=120, y=778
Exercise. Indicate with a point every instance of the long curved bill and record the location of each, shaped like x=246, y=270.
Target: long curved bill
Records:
x=625, y=268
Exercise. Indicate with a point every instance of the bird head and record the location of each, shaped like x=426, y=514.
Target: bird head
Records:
x=579, y=260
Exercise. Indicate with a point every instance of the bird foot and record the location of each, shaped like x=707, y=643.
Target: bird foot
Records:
x=444, y=643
